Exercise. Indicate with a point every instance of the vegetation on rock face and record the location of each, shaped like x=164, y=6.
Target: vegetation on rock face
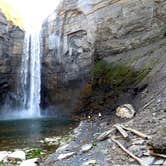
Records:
x=114, y=76
x=108, y=81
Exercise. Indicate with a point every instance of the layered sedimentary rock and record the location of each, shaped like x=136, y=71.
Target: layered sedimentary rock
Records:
x=11, y=48
x=80, y=32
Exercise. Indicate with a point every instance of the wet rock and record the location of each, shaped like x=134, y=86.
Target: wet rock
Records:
x=3, y=155
x=158, y=141
x=65, y=156
x=18, y=154
x=30, y=162
x=86, y=148
x=125, y=111
x=89, y=163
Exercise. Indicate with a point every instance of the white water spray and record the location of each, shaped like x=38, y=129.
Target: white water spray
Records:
x=31, y=74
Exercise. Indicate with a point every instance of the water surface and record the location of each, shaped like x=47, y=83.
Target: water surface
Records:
x=28, y=132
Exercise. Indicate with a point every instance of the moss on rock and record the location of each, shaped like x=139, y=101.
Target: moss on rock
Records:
x=108, y=82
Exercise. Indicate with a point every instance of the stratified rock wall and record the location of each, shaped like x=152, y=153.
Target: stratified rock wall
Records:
x=11, y=49
x=81, y=32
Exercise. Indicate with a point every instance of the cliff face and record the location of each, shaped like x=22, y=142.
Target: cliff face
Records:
x=81, y=32
x=11, y=48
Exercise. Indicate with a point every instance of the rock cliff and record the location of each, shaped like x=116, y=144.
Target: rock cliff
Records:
x=11, y=48
x=81, y=32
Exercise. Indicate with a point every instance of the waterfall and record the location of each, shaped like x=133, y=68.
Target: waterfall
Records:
x=31, y=74
x=25, y=72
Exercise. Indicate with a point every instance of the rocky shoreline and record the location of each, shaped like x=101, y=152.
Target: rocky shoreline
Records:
x=100, y=141
x=94, y=142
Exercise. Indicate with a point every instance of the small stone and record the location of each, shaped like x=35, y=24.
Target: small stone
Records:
x=125, y=111
x=65, y=156
x=30, y=162
x=3, y=155
x=138, y=142
x=18, y=154
x=90, y=162
x=154, y=114
x=148, y=160
x=52, y=141
x=86, y=148
x=131, y=160
x=159, y=162
x=64, y=147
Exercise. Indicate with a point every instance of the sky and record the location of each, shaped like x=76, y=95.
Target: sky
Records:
x=33, y=12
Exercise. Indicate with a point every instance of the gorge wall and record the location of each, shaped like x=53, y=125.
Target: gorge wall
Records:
x=11, y=49
x=81, y=32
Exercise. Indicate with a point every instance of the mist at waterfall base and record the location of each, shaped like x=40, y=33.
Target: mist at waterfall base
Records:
x=26, y=125
x=28, y=81
x=28, y=92
x=24, y=133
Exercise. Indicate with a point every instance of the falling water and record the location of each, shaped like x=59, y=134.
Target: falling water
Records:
x=31, y=74
x=25, y=72
x=35, y=75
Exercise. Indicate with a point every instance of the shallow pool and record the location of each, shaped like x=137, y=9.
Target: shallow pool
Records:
x=28, y=132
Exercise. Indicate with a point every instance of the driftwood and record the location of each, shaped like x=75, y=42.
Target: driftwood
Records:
x=150, y=102
x=105, y=135
x=157, y=154
x=128, y=152
x=138, y=133
x=121, y=130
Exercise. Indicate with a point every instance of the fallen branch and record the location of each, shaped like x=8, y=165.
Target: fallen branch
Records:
x=138, y=133
x=150, y=102
x=121, y=130
x=105, y=135
x=157, y=154
x=128, y=152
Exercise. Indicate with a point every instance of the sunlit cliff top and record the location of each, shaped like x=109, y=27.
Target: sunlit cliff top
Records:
x=28, y=14
x=11, y=13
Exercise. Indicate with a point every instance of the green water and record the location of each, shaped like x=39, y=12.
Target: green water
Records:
x=28, y=132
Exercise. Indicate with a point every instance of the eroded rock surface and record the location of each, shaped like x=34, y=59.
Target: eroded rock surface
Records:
x=130, y=32
x=80, y=32
x=11, y=49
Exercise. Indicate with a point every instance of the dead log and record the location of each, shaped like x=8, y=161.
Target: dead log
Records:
x=138, y=133
x=128, y=152
x=121, y=130
x=157, y=154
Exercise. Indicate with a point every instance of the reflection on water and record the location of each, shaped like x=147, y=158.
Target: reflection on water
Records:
x=27, y=132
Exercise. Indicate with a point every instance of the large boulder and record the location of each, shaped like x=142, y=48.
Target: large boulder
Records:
x=125, y=111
